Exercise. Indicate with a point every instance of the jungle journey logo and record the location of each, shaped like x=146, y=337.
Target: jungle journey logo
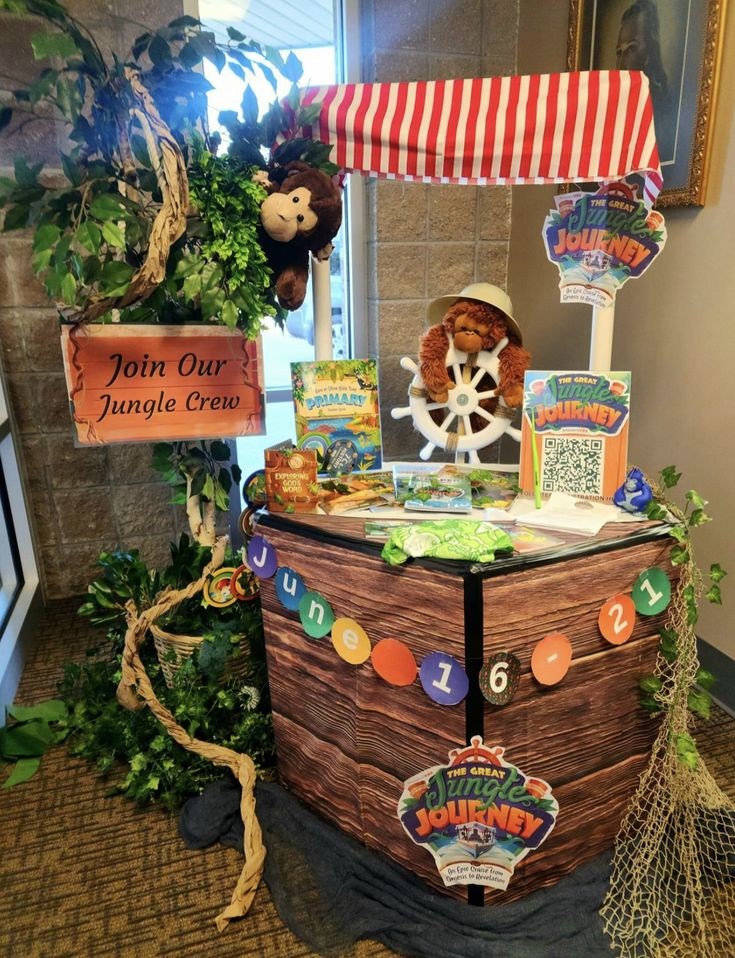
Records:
x=595, y=402
x=600, y=240
x=478, y=816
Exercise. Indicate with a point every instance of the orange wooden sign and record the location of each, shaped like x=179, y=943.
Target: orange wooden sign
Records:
x=150, y=383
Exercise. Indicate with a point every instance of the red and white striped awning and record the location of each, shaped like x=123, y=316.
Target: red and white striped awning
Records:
x=554, y=128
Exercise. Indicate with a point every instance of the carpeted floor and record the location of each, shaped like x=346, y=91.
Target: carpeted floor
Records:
x=84, y=876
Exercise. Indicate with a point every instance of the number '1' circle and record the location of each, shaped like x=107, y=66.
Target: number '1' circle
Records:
x=652, y=591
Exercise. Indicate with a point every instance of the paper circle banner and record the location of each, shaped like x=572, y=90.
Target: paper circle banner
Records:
x=551, y=658
x=394, y=662
x=652, y=591
x=617, y=619
x=217, y=591
x=247, y=519
x=499, y=677
x=443, y=678
x=350, y=641
x=243, y=584
x=262, y=557
x=253, y=489
x=289, y=588
x=316, y=614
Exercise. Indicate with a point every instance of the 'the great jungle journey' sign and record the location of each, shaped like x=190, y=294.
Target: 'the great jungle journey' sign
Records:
x=152, y=383
x=478, y=816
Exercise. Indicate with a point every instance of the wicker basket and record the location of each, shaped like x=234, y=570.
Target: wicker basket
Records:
x=184, y=647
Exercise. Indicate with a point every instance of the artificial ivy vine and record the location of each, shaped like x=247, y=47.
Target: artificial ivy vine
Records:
x=673, y=680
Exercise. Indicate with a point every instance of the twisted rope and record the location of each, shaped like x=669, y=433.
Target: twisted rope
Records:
x=135, y=692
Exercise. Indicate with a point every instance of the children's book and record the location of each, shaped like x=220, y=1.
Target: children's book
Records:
x=290, y=479
x=580, y=421
x=337, y=413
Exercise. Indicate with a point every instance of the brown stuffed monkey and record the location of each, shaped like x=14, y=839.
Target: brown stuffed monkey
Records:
x=474, y=324
x=301, y=215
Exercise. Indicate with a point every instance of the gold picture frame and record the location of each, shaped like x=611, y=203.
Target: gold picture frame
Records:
x=683, y=41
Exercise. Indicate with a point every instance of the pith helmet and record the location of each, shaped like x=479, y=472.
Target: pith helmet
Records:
x=481, y=293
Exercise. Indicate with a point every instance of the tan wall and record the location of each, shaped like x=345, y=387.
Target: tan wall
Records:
x=423, y=240
x=82, y=500
x=673, y=327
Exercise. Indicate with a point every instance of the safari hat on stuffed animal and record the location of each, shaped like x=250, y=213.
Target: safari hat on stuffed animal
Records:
x=481, y=293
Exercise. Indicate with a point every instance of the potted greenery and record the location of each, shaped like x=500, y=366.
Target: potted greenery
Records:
x=144, y=221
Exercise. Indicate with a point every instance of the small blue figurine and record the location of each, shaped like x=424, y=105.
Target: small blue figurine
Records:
x=634, y=494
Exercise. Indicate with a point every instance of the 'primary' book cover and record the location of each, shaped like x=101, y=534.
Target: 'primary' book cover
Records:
x=337, y=413
x=581, y=425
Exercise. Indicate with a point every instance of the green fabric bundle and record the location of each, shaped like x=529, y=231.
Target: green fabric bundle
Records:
x=465, y=539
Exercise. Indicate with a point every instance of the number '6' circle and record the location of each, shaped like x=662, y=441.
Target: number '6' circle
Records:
x=499, y=678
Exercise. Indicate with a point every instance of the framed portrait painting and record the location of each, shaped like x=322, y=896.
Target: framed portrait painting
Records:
x=677, y=44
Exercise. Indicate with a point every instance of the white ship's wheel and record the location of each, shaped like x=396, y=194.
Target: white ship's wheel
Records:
x=455, y=432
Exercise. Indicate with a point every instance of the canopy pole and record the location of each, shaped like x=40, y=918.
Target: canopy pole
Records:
x=603, y=320
x=321, y=294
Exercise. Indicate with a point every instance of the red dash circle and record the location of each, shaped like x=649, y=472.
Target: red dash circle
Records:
x=394, y=662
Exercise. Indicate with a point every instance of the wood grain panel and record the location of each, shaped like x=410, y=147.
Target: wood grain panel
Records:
x=590, y=811
x=294, y=662
x=383, y=831
x=320, y=775
x=346, y=740
x=522, y=607
x=420, y=606
x=590, y=719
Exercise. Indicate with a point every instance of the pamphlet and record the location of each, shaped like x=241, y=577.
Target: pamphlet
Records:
x=337, y=413
x=426, y=489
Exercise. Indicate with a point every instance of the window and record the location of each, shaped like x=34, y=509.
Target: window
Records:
x=312, y=31
x=19, y=590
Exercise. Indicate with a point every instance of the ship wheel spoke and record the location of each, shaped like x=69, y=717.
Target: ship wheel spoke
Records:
x=485, y=414
x=468, y=430
x=457, y=372
x=490, y=394
x=436, y=405
x=478, y=376
x=445, y=425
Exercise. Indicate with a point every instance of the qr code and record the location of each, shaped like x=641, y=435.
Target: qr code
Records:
x=572, y=464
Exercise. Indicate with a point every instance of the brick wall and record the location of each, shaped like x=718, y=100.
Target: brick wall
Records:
x=82, y=500
x=424, y=240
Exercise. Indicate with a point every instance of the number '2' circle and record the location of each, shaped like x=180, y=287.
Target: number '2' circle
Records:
x=617, y=619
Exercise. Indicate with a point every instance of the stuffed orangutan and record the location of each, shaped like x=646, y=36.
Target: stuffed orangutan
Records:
x=474, y=323
x=301, y=214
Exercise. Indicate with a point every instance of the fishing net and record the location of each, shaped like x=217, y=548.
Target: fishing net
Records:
x=671, y=892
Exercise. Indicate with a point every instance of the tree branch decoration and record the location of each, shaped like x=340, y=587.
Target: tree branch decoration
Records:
x=123, y=238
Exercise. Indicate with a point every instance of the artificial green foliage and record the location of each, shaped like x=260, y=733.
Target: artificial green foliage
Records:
x=92, y=228
x=132, y=748
x=199, y=468
x=133, y=751
x=226, y=273
x=284, y=120
x=31, y=731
